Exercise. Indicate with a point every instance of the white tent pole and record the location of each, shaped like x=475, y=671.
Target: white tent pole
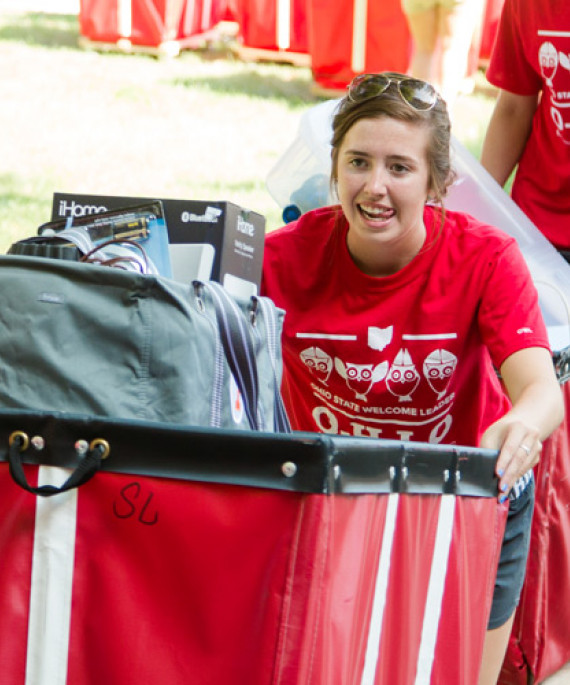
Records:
x=283, y=24
x=124, y=18
x=360, y=18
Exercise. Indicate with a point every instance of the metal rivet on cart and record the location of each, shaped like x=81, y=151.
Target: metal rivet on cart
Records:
x=289, y=469
x=81, y=447
x=22, y=438
x=38, y=443
x=102, y=445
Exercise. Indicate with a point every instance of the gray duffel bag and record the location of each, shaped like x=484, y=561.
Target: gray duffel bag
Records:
x=101, y=341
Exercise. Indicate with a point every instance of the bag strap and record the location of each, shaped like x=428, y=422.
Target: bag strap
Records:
x=280, y=420
x=238, y=346
x=238, y=349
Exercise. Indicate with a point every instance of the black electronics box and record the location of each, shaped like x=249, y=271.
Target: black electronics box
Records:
x=218, y=241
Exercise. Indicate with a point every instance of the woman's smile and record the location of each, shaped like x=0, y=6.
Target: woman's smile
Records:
x=376, y=213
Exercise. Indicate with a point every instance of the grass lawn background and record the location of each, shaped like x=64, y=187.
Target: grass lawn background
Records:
x=204, y=125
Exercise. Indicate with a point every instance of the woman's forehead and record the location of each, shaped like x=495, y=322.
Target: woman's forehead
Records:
x=387, y=135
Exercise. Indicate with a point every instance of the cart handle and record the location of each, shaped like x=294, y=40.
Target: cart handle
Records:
x=88, y=466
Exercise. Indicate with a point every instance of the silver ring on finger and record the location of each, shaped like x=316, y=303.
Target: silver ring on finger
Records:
x=526, y=449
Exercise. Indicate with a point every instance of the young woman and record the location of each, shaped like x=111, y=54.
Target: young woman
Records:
x=399, y=314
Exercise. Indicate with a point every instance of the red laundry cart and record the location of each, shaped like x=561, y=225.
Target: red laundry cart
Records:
x=348, y=37
x=165, y=24
x=491, y=17
x=274, y=25
x=540, y=640
x=220, y=557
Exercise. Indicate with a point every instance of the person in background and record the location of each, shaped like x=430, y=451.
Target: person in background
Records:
x=442, y=32
x=530, y=124
x=402, y=312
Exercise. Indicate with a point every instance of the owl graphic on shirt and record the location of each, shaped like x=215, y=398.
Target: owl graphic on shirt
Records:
x=403, y=378
x=360, y=377
x=318, y=362
x=438, y=368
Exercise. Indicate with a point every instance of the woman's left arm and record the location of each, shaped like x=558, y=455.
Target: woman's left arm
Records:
x=537, y=410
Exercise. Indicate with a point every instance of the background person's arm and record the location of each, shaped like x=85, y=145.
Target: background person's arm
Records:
x=507, y=133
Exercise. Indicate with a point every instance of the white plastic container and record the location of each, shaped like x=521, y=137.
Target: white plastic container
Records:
x=477, y=193
x=300, y=181
x=301, y=176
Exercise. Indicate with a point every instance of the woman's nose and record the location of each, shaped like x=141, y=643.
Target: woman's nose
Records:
x=376, y=181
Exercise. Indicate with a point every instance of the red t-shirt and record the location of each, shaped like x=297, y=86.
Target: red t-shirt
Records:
x=408, y=356
x=532, y=54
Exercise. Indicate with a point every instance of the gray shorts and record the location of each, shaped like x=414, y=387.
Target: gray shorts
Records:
x=512, y=561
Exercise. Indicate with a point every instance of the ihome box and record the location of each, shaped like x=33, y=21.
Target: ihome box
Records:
x=208, y=240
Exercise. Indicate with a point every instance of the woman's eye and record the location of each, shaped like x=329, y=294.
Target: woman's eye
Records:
x=358, y=162
x=399, y=168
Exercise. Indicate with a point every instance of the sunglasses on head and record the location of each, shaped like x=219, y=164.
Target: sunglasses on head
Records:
x=418, y=94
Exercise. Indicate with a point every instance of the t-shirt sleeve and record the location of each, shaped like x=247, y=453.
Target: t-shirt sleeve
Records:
x=509, y=315
x=509, y=67
x=274, y=256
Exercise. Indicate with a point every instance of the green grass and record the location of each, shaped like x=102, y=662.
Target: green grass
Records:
x=203, y=126
x=40, y=29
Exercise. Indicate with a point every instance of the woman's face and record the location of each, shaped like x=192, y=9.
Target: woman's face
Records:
x=383, y=184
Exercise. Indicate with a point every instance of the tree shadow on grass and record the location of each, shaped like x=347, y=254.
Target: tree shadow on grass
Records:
x=294, y=92
x=42, y=29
